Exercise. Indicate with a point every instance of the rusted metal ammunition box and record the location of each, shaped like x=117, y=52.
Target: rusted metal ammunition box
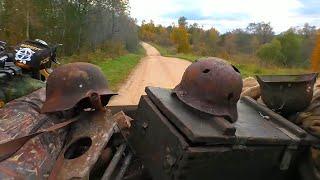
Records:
x=176, y=142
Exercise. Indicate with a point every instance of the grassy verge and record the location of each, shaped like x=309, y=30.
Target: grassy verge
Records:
x=247, y=66
x=116, y=69
x=170, y=52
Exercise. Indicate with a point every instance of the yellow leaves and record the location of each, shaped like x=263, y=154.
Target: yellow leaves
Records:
x=180, y=37
x=147, y=31
x=315, y=58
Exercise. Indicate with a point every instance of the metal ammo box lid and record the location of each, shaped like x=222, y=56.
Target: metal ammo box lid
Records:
x=177, y=142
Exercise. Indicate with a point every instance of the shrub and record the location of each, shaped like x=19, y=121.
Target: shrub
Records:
x=271, y=52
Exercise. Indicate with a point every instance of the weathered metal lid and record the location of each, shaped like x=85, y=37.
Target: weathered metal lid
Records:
x=251, y=127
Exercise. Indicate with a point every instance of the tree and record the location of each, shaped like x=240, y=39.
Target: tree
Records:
x=147, y=31
x=228, y=42
x=182, y=21
x=308, y=34
x=262, y=30
x=307, y=30
x=271, y=52
x=291, y=48
x=81, y=25
x=180, y=37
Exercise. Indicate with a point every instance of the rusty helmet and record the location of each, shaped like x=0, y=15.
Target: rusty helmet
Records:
x=213, y=86
x=71, y=83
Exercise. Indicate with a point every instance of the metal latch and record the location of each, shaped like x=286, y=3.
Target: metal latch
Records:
x=287, y=157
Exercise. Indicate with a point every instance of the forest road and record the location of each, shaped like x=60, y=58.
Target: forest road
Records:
x=153, y=70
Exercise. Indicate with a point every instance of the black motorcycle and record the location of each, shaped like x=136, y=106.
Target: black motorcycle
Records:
x=29, y=57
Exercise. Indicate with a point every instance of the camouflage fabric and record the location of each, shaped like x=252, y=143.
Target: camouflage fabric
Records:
x=310, y=121
x=36, y=158
x=17, y=87
x=310, y=118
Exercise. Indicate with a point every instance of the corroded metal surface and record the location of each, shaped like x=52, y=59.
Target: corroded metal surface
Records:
x=71, y=83
x=287, y=94
x=88, y=137
x=251, y=128
x=22, y=116
x=295, y=130
x=212, y=86
x=36, y=158
x=258, y=151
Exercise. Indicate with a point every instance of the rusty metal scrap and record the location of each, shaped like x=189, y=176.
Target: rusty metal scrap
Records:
x=212, y=86
x=123, y=121
x=35, y=159
x=9, y=148
x=115, y=160
x=88, y=137
x=22, y=116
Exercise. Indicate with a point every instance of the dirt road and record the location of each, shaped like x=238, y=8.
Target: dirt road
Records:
x=153, y=70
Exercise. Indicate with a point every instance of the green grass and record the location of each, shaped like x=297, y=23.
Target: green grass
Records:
x=163, y=51
x=116, y=69
x=255, y=69
x=248, y=65
x=170, y=52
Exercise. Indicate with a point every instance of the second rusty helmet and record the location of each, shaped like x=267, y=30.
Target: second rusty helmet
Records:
x=213, y=86
x=71, y=83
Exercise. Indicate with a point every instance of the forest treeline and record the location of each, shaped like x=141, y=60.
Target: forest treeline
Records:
x=80, y=25
x=290, y=48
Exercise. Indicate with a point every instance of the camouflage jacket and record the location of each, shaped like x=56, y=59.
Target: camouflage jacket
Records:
x=16, y=87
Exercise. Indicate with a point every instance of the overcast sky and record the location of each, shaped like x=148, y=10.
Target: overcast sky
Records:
x=226, y=15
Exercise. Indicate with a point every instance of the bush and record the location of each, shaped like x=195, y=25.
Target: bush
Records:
x=291, y=48
x=271, y=52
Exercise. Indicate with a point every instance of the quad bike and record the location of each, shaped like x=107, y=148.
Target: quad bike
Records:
x=33, y=58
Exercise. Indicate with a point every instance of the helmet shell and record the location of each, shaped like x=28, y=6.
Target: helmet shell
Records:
x=213, y=86
x=69, y=84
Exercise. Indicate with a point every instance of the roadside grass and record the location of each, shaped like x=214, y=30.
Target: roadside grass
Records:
x=248, y=65
x=115, y=69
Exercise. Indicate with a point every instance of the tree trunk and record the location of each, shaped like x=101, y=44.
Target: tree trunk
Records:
x=28, y=21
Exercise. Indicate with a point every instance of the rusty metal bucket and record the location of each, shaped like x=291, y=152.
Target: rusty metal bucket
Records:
x=287, y=94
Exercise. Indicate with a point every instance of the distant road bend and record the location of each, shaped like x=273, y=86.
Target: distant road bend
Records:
x=153, y=70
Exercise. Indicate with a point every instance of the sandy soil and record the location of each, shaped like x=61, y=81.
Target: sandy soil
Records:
x=153, y=70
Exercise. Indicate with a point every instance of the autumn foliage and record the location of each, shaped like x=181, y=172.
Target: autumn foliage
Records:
x=257, y=41
x=316, y=55
x=180, y=38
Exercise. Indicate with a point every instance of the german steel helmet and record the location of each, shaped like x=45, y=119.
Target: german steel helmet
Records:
x=71, y=83
x=213, y=86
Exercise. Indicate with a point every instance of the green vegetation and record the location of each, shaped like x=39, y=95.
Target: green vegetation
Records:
x=271, y=52
x=81, y=26
x=248, y=65
x=258, y=42
x=116, y=69
x=96, y=31
x=171, y=53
